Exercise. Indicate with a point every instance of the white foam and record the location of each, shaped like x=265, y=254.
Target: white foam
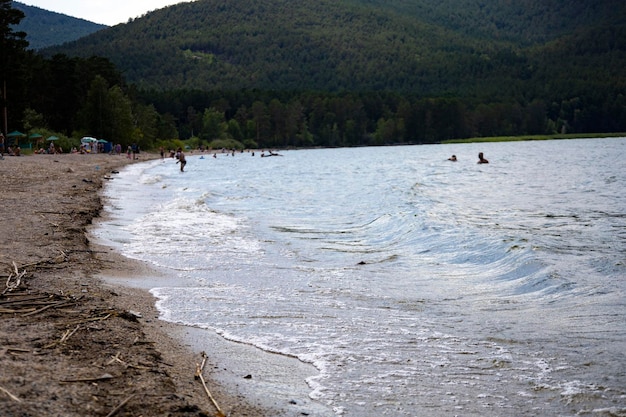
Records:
x=454, y=291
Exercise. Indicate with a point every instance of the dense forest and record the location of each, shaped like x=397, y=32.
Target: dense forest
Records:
x=337, y=46
x=278, y=73
x=44, y=28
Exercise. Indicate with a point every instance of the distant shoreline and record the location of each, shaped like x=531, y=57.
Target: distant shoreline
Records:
x=536, y=137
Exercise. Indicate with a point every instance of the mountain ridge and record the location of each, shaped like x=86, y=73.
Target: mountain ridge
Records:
x=347, y=73
x=350, y=45
x=47, y=28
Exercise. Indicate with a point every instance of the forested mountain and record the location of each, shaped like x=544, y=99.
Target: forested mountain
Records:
x=427, y=47
x=278, y=73
x=45, y=28
x=522, y=22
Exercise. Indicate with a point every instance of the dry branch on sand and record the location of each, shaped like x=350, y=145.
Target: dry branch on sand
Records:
x=60, y=326
x=14, y=280
x=198, y=375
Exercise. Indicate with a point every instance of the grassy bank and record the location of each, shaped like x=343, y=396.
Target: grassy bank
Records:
x=536, y=137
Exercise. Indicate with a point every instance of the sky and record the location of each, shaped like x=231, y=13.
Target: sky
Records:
x=106, y=12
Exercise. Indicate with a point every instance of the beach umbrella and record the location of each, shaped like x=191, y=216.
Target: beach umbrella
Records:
x=102, y=141
x=16, y=135
x=35, y=136
x=53, y=138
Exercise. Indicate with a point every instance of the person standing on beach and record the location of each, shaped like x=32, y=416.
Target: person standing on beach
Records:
x=1, y=145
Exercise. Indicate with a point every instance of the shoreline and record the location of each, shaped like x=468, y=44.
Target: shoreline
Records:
x=72, y=344
x=273, y=382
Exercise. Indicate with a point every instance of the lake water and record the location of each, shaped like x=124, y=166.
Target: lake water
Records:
x=414, y=285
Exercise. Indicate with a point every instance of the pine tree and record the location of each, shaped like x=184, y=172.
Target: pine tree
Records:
x=11, y=55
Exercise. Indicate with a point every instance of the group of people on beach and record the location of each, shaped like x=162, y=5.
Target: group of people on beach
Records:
x=10, y=151
x=481, y=158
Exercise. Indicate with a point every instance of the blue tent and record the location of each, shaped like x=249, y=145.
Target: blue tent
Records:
x=106, y=144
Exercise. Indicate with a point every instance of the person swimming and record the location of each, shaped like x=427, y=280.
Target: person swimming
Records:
x=481, y=159
x=452, y=158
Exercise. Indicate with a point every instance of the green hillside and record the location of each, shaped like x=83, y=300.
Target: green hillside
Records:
x=522, y=22
x=424, y=47
x=275, y=45
x=278, y=73
x=45, y=28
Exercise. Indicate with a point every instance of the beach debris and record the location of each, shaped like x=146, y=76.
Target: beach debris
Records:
x=120, y=406
x=117, y=359
x=89, y=319
x=56, y=304
x=28, y=306
x=13, y=282
x=68, y=333
x=102, y=377
x=13, y=397
x=135, y=313
x=54, y=260
x=199, y=369
x=12, y=350
x=132, y=316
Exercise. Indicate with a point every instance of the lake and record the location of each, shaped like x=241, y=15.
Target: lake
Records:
x=414, y=285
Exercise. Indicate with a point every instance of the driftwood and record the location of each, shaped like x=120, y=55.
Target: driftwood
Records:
x=17, y=276
x=19, y=350
x=88, y=320
x=120, y=406
x=55, y=260
x=23, y=301
x=13, y=283
x=11, y=311
x=199, y=369
x=68, y=333
x=33, y=305
x=102, y=377
x=117, y=359
x=63, y=303
x=13, y=397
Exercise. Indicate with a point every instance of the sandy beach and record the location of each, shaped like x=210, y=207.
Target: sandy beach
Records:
x=71, y=343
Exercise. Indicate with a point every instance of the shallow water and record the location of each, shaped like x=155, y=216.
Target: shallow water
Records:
x=415, y=285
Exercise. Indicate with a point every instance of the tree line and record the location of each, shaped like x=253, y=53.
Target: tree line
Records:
x=88, y=97
x=73, y=97
x=272, y=119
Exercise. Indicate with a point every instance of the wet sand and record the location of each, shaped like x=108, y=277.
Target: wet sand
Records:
x=75, y=344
